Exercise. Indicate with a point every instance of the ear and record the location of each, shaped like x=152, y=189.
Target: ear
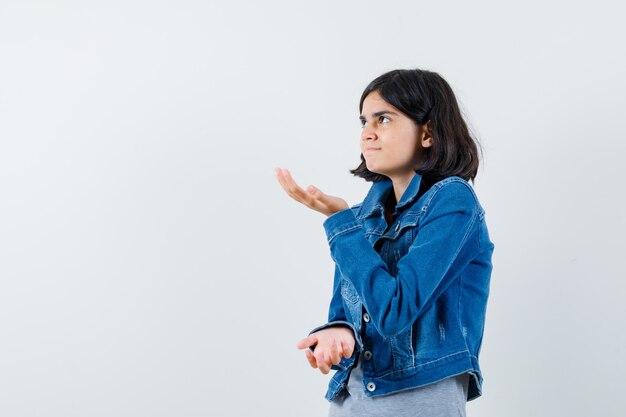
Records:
x=427, y=138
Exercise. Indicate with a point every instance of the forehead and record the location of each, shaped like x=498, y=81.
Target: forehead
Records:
x=374, y=98
x=374, y=103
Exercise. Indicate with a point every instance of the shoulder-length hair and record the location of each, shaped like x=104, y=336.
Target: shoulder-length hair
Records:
x=425, y=96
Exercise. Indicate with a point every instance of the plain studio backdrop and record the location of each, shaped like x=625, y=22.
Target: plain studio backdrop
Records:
x=151, y=264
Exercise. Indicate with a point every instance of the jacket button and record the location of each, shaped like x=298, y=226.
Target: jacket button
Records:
x=371, y=386
x=367, y=355
x=397, y=226
x=366, y=318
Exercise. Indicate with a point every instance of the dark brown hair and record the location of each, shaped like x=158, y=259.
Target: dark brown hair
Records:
x=422, y=96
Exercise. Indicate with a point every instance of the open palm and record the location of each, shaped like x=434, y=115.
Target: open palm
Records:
x=313, y=197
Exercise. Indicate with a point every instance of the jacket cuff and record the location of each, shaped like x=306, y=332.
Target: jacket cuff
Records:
x=340, y=222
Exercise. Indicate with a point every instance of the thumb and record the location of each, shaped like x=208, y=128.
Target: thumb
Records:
x=306, y=342
x=314, y=191
x=319, y=196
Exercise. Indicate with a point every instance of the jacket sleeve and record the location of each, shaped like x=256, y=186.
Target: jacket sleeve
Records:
x=441, y=249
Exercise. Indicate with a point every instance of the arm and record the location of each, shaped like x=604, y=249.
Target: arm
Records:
x=436, y=256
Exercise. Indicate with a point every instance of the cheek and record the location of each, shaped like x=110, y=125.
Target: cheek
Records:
x=407, y=149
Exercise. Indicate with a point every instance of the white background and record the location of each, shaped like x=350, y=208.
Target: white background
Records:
x=151, y=265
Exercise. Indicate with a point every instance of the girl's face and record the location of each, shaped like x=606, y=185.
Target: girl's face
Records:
x=392, y=144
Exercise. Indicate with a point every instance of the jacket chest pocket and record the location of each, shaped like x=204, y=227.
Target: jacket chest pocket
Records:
x=400, y=237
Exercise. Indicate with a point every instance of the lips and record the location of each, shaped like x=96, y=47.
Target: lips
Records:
x=371, y=149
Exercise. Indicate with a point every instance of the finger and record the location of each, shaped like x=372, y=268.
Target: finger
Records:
x=315, y=192
x=307, y=342
x=321, y=199
x=310, y=358
x=281, y=177
x=333, y=355
x=295, y=191
x=316, y=201
x=317, y=195
x=348, y=348
x=339, y=353
x=287, y=181
x=319, y=355
x=289, y=184
x=324, y=367
x=328, y=358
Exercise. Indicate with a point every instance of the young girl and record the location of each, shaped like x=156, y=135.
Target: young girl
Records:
x=412, y=260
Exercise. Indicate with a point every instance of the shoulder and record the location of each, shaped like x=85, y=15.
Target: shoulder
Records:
x=455, y=193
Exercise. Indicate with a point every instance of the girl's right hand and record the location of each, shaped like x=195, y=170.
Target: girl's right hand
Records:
x=331, y=344
x=313, y=197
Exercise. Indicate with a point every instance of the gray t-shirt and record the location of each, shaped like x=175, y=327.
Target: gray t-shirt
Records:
x=445, y=398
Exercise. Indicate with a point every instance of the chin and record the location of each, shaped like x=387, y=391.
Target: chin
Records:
x=372, y=166
x=371, y=169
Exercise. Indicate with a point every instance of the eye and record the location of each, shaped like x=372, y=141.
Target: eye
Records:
x=380, y=119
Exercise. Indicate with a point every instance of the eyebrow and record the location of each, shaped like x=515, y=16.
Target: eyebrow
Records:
x=379, y=113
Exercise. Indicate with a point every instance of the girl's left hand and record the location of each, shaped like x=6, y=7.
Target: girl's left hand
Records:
x=331, y=344
x=313, y=198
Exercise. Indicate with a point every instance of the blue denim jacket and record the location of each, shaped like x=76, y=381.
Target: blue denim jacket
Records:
x=414, y=292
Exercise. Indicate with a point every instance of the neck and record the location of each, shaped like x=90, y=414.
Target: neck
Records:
x=400, y=184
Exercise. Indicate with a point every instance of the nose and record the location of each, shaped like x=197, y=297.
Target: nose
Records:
x=368, y=134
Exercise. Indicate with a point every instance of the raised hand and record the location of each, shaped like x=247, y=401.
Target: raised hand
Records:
x=331, y=344
x=313, y=197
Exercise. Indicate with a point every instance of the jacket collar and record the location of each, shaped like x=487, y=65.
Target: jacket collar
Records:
x=373, y=202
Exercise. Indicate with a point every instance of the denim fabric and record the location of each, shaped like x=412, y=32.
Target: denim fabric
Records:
x=414, y=292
